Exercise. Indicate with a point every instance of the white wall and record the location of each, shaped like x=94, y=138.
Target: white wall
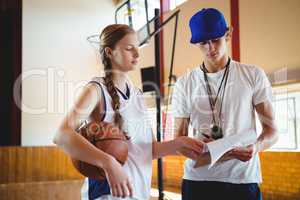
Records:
x=269, y=33
x=57, y=58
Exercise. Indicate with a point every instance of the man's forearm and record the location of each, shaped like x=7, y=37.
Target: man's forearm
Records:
x=269, y=134
x=267, y=138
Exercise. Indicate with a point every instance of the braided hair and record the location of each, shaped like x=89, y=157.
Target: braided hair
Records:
x=109, y=38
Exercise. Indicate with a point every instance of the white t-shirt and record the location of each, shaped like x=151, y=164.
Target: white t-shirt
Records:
x=246, y=86
x=136, y=124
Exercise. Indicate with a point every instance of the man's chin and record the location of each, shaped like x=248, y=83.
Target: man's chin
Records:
x=215, y=58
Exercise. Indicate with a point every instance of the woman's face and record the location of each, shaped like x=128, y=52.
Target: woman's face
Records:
x=124, y=56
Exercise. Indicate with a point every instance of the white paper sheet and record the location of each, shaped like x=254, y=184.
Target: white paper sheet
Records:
x=219, y=147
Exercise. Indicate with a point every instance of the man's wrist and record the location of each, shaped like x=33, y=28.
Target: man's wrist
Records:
x=256, y=147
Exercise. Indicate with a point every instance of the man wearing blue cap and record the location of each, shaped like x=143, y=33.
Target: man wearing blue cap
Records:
x=218, y=99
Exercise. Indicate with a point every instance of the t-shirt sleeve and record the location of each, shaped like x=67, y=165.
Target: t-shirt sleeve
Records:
x=180, y=107
x=262, y=88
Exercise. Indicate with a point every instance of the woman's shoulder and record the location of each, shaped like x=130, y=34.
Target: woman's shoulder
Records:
x=87, y=99
x=97, y=80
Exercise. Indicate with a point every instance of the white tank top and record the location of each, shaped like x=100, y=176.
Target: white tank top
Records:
x=136, y=123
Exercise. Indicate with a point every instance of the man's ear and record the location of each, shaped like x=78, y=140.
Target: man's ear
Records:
x=228, y=34
x=108, y=52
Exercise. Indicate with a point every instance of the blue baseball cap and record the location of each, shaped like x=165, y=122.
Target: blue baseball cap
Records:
x=207, y=24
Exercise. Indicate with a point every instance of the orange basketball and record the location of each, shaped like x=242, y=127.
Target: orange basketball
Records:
x=108, y=138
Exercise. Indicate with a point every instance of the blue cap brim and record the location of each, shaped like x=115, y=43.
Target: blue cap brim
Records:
x=195, y=40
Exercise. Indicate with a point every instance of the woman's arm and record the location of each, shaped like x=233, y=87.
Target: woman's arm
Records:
x=176, y=146
x=173, y=147
x=79, y=148
x=181, y=145
x=73, y=143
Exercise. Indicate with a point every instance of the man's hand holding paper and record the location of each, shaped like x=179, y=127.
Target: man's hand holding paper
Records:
x=239, y=146
x=243, y=153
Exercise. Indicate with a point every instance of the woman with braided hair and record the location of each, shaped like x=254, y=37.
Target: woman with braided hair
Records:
x=121, y=104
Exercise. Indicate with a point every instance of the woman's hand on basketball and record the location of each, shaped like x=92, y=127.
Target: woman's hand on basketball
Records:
x=118, y=180
x=190, y=147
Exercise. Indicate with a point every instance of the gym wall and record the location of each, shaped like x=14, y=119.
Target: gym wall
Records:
x=57, y=60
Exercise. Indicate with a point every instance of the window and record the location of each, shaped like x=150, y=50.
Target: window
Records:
x=286, y=105
x=137, y=12
x=175, y=3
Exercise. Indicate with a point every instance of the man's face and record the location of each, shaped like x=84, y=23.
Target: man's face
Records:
x=214, y=49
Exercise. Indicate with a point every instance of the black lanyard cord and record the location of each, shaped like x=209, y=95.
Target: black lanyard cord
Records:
x=212, y=101
x=220, y=112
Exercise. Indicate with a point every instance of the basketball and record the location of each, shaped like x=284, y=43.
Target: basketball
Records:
x=106, y=137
